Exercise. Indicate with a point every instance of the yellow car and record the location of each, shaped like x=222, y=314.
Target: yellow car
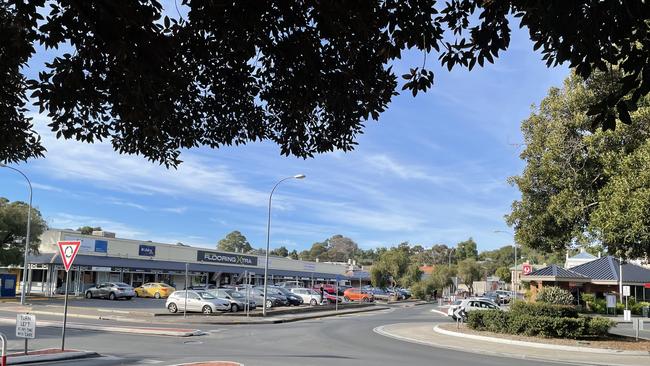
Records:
x=155, y=290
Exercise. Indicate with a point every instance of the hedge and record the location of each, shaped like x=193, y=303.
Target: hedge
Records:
x=535, y=325
x=544, y=309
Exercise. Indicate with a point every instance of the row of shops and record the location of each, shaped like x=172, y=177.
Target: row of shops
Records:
x=109, y=259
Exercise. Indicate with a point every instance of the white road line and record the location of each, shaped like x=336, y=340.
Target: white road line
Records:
x=439, y=312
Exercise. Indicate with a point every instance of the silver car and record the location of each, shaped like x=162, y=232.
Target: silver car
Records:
x=111, y=291
x=199, y=301
x=237, y=300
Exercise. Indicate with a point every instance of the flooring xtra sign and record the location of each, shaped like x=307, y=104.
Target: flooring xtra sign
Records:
x=229, y=258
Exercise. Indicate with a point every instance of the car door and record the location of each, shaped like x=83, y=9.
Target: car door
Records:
x=103, y=289
x=193, y=301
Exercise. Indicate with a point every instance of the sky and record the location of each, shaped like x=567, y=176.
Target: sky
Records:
x=432, y=170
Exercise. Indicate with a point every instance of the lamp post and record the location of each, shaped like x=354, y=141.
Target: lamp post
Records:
x=268, y=237
x=29, y=221
x=516, y=278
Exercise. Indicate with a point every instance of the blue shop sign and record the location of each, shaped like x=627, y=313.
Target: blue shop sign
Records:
x=101, y=246
x=147, y=250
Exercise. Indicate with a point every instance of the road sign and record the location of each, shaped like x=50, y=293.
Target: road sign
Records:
x=647, y=285
x=526, y=269
x=68, y=251
x=26, y=326
x=460, y=313
x=626, y=290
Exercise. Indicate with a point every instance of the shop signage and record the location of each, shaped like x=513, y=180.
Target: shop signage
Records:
x=101, y=269
x=527, y=269
x=309, y=267
x=230, y=258
x=147, y=250
x=647, y=285
x=626, y=290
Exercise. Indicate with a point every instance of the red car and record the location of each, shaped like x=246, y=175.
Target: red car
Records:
x=331, y=299
x=329, y=288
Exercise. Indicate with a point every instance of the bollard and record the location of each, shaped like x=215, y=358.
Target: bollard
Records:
x=3, y=338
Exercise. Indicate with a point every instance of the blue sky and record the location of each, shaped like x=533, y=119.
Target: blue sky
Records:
x=432, y=170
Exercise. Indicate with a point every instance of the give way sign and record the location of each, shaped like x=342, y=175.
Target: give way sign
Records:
x=68, y=251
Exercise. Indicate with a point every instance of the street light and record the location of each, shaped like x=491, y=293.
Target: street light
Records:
x=29, y=221
x=268, y=237
x=514, y=280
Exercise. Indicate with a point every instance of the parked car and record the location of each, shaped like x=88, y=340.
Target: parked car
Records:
x=154, y=289
x=380, y=294
x=504, y=295
x=202, y=287
x=494, y=297
x=257, y=294
x=308, y=295
x=326, y=287
x=332, y=299
x=353, y=294
x=292, y=299
x=395, y=294
x=199, y=301
x=237, y=300
x=289, y=284
x=469, y=305
x=111, y=291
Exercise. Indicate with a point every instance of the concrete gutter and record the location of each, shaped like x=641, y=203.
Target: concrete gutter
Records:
x=49, y=357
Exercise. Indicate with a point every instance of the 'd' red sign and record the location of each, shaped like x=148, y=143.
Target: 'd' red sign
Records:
x=526, y=269
x=68, y=251
x=647, y=285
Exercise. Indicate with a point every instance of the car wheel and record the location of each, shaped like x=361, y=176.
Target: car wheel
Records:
x=89, y=295
x=172, y=308
x=136, y=294
x=313, y=302
x=111, y=296
x=234, y=308
x=156, y=295
x=207, y=309
x=269, y=304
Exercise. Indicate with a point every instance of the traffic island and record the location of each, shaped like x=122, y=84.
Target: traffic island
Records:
x=48, y=355
x=434, y=336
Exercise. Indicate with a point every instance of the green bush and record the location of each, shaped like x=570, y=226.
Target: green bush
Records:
x=598, y=326
x=637, y=308
x=536, y=325
x=544, y=309
x=555, y=295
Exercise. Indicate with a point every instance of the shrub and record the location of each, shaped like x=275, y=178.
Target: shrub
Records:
x=637, y=308
x=555, y=295
x=475, y=320
x=598, y=326
x=422, y=290
x=544, y=309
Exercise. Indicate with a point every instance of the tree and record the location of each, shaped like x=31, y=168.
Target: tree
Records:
x=441, y=254
x=581, y=187
x=293, y=254
x=412, y=275
x=469, y=271
x=13, y=231
x=390, y=267
x=341, y=248
x=504, y=274
x=305, y=75
x=88, y=230
x=234, y=242
x=280, y=252
x=466, y=249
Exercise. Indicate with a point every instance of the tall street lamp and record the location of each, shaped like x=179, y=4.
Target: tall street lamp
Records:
x=29, y=221
x=515, y=279
x=268, y=237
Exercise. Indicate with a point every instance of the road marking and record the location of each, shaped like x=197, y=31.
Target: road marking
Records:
x=439, y=312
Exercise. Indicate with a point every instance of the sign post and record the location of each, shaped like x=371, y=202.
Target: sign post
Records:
x=68, y=251
x=26, y=327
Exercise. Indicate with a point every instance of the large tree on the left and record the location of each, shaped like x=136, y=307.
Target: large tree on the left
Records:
x=13, y=230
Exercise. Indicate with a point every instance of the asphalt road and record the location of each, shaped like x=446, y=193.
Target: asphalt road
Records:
x=344, y=340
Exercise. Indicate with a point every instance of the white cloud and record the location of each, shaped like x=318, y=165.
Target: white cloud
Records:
x=46, y=187
x=99, y=164
x=387, y=165
x=176, y=210
x=70, y=221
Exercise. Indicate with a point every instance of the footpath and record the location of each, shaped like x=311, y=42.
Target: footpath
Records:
x=431, y=335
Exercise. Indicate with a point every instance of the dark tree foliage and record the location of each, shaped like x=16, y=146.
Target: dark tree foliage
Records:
x=304, y=74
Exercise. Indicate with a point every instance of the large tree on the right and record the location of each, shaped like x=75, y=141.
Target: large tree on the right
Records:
x=582, y=186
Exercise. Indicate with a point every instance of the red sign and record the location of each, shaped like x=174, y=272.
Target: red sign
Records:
x=68, y=251
x=647, y=285
x=526, y=269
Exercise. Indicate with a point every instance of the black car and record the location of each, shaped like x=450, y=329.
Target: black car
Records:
x=292, y=299
x=280, y=299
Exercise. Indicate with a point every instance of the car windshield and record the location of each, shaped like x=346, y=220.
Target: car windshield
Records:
x=313, y=292
x=235, y=294
x=121, y=284
x=206, y=295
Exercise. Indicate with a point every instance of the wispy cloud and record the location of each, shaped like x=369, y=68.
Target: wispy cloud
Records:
x=176, y=210
x=64, y=220
x=385, y=164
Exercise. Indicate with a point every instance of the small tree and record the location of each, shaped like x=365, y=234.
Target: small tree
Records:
x=504, y=274
x=88, y=230
x=555, y=295
x=234, y=242
x=469, y=271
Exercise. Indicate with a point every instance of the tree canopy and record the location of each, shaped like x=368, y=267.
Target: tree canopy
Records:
x=88, y=230
x=306, y=75
x=13, y=231
x=581, y=187
x=235, y=242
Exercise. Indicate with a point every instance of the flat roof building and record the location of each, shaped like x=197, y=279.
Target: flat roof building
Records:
x=108, y=259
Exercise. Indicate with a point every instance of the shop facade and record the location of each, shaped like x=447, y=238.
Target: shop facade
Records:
x=109, y=259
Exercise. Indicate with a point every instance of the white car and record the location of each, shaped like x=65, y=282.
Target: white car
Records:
x=469, y=305
x=308, y=295
x=200, y=301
